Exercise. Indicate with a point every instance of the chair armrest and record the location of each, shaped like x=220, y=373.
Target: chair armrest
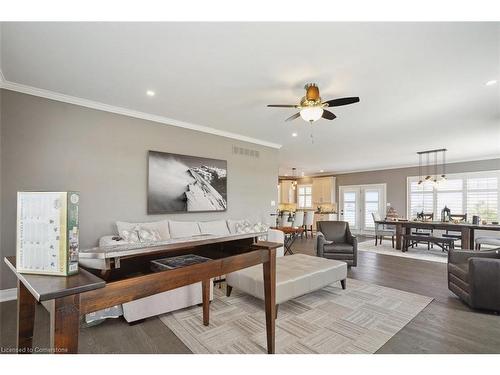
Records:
x=320, y=242
x=484, y=274
x=350, y=238
x=354, y=241
x=462, y=256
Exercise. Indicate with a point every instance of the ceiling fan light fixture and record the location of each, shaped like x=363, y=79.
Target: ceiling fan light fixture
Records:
x=311, y=114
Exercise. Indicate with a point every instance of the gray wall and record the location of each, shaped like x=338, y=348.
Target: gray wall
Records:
x=396, y=179
x=48, y=145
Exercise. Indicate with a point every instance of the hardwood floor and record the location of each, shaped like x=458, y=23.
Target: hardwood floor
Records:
x=445, y=326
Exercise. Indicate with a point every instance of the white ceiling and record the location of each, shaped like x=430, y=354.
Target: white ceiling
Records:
x=422, y=85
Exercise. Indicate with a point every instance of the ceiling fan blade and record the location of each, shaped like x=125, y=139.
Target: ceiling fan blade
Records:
x=283, y=105
x=328, y=115
x=293, y=117
x=342, y=101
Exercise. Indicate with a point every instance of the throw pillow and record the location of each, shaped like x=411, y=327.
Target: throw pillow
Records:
x=243, y=227
x=130, y=235
x=260, y=227
x=148, y=235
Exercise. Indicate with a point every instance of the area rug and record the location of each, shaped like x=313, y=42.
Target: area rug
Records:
x=359, y=319
x=420, y=252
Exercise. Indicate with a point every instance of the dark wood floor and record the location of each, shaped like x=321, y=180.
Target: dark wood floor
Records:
x=445, y=326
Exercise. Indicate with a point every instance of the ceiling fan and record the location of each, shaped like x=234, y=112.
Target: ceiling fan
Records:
x=312, y=108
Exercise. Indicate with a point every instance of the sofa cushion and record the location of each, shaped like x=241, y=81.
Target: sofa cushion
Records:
x=111, y=241
x=217, y=227
x=338, y=248
x=130, y=235
x=296, y=275
x=160, y=226
x=345, y=257
x=180, y=229
x=148, y=235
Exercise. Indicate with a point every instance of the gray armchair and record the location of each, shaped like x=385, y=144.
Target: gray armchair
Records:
x=335, y=241
x=474, y=276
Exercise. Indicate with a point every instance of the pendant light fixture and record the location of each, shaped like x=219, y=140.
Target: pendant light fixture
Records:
x=420, y=177
x=428, y=177
x=432, y=167
x=443, y=167
x=294, y=182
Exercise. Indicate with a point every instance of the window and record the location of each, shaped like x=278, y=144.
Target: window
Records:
x=482, y=197
x=350, y=208
x=420, y=198
x=449, y=193
x=371, y=207
x=305, y=196
x=471, y=193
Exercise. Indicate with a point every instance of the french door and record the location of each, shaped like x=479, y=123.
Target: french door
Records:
x=358, y=202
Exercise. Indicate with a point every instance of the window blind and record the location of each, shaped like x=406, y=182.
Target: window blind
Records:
x=474, y=193
x=305, y=196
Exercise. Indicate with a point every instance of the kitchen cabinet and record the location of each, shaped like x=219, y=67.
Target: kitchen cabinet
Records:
x=287, y=192
x=323, y=190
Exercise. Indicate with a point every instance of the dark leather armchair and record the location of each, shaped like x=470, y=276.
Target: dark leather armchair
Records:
x=474, y=276
x=335, y=241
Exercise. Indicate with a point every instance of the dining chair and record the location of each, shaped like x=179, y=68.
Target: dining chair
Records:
x=457, y=235
x=382, y=230
x=424, y=232
x=298, y=221
x=492, y=241
x=284, y=219
x=308, y=222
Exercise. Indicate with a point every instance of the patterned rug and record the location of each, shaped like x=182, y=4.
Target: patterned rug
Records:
x=359, y=319
x=420, y=252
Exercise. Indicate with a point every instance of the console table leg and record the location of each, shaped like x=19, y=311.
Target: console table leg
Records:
x=205, y=291
x=26, y=304
x=65, y=324
x=270, y=299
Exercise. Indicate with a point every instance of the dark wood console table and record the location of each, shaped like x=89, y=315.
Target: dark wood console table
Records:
x=467, y=230
x=67, y=298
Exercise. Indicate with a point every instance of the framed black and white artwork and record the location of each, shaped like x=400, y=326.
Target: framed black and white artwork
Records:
x=182, y=183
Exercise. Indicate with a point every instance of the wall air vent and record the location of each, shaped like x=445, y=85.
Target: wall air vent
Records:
x=245, y=152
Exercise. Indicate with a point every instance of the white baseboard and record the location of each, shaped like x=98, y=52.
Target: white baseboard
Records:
x=8, y=294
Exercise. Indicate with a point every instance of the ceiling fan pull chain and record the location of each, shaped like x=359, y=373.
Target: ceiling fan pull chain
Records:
x=312, y=137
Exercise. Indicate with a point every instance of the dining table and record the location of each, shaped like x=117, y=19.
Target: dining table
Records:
x=467, y=230
x=291, y=234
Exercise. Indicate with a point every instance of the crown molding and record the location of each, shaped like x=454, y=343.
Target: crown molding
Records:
x=30, y=90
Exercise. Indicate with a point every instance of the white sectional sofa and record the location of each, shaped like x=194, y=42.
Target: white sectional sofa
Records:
x=164, y=230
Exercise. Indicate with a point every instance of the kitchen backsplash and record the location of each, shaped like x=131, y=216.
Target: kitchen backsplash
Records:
x=325, y=207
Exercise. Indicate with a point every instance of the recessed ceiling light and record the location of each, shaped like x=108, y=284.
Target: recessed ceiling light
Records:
x=150, y=93
x=321, y=170
x=491, y=83
x=294, y=134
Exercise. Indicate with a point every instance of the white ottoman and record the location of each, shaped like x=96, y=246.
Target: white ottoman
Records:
x=296, y=275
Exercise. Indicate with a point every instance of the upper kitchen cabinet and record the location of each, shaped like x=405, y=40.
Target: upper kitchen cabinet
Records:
x=287, y=192
x=323, y=190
